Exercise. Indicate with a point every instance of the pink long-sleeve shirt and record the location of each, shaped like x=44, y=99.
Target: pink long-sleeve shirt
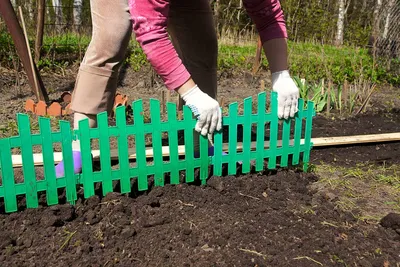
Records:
x=150, y=27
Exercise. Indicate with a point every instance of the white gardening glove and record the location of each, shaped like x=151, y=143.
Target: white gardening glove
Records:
x=288, y=94
x=205, y=108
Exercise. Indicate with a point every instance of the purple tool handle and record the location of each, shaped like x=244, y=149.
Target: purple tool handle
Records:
x=76, y=156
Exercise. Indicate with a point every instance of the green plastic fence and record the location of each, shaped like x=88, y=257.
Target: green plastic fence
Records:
x=31, y=186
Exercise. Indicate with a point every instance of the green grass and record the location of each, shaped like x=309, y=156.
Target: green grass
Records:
x=307, y=60
x=372, y=190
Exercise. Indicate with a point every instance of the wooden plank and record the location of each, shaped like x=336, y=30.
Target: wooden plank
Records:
x=317, y=142
x=355, y=139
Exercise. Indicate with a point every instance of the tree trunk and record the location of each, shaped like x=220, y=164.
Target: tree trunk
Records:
x=388, y=17
x=377, y=17
x=340, y=23
x=39, y=29
x=364, y=6
x=77, y=14
x=58, y=13
x=375, y=29
x=28, y=10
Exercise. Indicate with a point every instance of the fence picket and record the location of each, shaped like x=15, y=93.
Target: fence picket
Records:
x=248, y=106
x=48, y=161
x=138, y=118
x=273, y=138
x=173, y=142
x=233, y=112
x=285, y=143
x=218, y=140
x=86, y=156
x=7, y=174
x=157, y=142
x=204, y=158
x=307, y=137
x=66, y=145
x=261, y=106
x=188, y=136
x=28, y=166
x=123, y=153
x=297, y=132
x=105, y=157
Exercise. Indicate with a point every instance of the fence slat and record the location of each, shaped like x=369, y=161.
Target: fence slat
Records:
x=48, y=161
x=105, y=157
x=155, y=114
x=273, y=138
x=188, y=136
x=204, y=158
x=68, y=162
x=233, y=111
x=285, y=143
x=307, y=137
x=297, y=132
x=260, y=131
x=173, y=142
x=87, y=163
x=28, y=165
x=138, y=118
x=218, y=140
x=123, y=154
x=248, y=105
x=7, y=174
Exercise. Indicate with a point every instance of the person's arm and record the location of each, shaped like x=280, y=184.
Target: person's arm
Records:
x=270, y=23
x=149, y=20
x=277, y=55
x=149, y=25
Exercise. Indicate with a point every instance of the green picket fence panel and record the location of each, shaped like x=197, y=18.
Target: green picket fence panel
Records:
x=265, y=148
x=232, y=152
x=27, y=157
x=188, y=138
x=157, y=142
x=172, y=130
x=273, y=133
x=48, y=160
x=260, y=131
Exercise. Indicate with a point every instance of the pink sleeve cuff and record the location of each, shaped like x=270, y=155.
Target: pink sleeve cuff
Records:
x=177, y=77
x=278, y=30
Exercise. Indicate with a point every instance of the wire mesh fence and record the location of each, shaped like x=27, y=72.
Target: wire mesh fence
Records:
x=68, y=28
x=68, y=23
x=388, y=43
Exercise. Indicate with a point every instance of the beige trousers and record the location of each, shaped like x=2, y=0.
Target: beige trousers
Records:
x=190, y=25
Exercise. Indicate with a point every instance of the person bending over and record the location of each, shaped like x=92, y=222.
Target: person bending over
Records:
x=179, y=40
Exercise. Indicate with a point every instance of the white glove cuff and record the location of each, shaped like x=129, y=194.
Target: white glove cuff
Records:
x=278, y=75
x=193, y=91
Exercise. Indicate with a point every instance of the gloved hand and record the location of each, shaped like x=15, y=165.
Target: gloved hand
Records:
x=205, y=108
x=288, y=94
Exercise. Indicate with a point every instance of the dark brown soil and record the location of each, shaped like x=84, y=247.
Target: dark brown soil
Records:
x=266, y=219
x=260, y=219
x=375, y=123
